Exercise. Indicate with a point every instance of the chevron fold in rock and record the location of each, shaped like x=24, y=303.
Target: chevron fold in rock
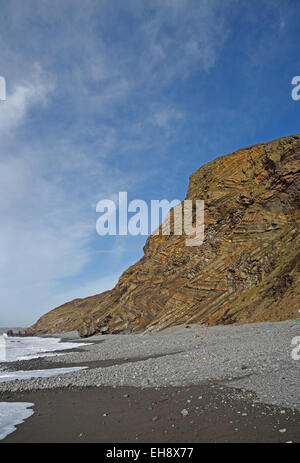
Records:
x=247, y=269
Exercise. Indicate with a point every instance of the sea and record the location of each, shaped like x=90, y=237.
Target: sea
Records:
x=26, y=348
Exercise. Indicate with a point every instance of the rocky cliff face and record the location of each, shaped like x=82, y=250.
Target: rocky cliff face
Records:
x=247, y=270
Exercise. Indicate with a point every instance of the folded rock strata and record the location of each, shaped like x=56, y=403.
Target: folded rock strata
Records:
x=247, y=269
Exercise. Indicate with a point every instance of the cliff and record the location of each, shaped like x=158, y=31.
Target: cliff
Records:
x=247, y=269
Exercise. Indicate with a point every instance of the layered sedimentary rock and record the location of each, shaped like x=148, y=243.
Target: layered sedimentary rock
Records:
x=247, y=269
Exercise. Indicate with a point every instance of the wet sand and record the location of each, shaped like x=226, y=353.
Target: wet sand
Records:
x=133, y=415
x=217, y=384
x=42, y=363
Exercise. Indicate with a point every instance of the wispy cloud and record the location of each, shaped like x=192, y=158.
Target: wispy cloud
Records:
x=87, y=115
x=26, y=94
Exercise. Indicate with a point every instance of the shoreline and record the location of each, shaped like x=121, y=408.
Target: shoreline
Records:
x=128, y=415
x=237, y=384
x=42, y=363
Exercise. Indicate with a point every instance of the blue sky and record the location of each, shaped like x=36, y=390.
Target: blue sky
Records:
x=111, y=95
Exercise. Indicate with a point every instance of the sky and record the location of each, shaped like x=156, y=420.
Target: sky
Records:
x=105, y=96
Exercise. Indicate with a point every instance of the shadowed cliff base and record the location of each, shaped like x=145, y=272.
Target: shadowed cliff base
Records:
x=247, y=269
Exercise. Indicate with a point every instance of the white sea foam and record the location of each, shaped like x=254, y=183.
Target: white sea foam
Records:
x=21, y=374
x=19, y=348
x=11, y=414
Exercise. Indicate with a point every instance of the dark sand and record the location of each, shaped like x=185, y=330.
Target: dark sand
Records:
x=42, y=363
x=150, y=415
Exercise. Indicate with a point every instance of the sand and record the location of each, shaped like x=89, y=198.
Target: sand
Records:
x=221, y=384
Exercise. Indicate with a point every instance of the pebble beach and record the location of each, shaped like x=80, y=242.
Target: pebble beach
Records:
x=226, y=383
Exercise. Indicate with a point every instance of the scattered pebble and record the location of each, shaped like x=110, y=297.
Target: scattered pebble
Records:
x=263, y=348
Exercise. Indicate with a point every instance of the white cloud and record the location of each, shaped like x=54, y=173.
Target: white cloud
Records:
x=103, y=105
x=165, y=116
x=47, y=203
x=25, y=95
